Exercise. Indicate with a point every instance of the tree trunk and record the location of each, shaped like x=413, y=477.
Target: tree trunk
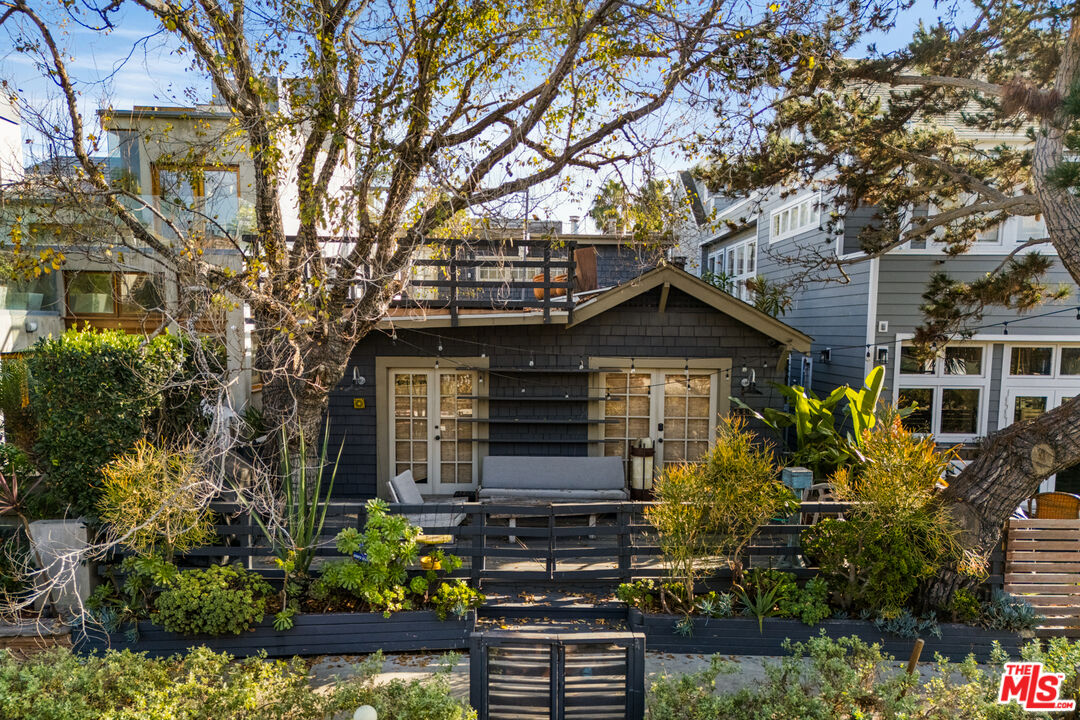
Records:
x=1014, y=461
x=1007, y=471
x=298, y=372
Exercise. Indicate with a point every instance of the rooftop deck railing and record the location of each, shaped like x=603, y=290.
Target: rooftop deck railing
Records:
x=521, y=275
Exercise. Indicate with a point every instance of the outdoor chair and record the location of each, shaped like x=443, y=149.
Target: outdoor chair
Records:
x=403, y=490
x=1057, y=506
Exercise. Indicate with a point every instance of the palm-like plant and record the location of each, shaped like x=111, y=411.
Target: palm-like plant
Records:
x=819, y=444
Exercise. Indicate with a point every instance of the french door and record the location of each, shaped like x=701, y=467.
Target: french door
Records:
x=1029, y=403
x=675, y=409
x=432, y=428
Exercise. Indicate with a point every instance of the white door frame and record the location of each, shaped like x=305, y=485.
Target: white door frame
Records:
x=719, y=402
x=386, y=367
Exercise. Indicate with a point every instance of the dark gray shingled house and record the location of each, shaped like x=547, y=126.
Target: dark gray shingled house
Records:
x=489, y=355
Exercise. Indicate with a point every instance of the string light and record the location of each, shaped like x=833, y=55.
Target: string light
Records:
x=1005, y=328
x=532, y=360
x=581, y=362
x=632, y=370
x=440, y=346
x=867, y=352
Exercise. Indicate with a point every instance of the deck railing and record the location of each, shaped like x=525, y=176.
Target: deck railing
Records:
x=551, y=545
x=467, y=275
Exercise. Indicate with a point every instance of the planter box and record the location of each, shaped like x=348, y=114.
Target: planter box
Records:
x=741, y=636
x=312, y=634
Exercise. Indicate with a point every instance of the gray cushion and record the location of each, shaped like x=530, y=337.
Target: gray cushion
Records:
x=553, y=473
x=550, y=496
x=403, y=489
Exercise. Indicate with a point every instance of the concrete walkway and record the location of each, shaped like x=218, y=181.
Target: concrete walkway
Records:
x=750, y=669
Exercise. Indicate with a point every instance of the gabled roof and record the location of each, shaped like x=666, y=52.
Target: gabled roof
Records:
x=667, y=277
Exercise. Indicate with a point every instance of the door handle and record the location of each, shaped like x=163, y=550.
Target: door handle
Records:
x=659, y=440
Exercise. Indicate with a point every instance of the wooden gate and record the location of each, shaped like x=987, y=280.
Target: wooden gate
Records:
x=1042, y=566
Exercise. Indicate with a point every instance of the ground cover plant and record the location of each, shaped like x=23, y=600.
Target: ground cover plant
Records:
x=58, y=685
x=848, y=679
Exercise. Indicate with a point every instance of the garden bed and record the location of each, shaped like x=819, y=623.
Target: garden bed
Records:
x=741, y=636
x=312, y=634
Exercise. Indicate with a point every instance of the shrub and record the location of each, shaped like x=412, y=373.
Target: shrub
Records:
x=810, y=603
x=20, y=428
x=219, y=600
x=895, y=536
x=94, y=394
x=640, y=594
x=965, y=607
x=821, y=679
x=713, y=508
x=377, y=576
x=57, y=685
x=456, y=597
x=126, y=597
x=156, y=500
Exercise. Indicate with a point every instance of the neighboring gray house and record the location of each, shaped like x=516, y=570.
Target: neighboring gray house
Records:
x=1013, y=368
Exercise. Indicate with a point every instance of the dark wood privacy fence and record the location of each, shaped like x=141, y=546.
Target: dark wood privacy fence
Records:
x=550, y=544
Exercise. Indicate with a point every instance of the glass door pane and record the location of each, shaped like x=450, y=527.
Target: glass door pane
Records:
x=410, y=427
x=687, y=417
x=628, y=402
x=455, y=432
x=1028, y=407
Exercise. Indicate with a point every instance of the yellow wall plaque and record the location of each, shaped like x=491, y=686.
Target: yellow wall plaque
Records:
x=358, y=404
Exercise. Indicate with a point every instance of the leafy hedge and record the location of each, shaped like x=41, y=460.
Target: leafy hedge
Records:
x=94, y=394
x=57, y=685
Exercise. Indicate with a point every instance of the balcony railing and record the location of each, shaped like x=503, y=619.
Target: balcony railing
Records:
x=208, y=217
x=461, y=275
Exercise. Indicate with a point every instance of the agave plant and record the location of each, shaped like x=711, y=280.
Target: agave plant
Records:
x=296, y=536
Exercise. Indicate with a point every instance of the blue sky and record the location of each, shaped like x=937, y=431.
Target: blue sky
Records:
x=136, y=64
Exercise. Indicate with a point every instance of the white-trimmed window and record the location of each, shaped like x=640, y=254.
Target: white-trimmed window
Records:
x=736, y=263
x=950, y=390
x=496, y=267
x=797, y=217
x=1036, y=378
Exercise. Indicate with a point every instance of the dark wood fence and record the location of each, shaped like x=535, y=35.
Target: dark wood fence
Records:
x=554, y=545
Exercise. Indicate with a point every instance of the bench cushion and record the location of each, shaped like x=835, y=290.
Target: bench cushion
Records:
x=557, y=474
x=516, y=494
x=403, y=489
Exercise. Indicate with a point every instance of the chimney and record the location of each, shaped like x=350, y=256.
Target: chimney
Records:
x=575, y=224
